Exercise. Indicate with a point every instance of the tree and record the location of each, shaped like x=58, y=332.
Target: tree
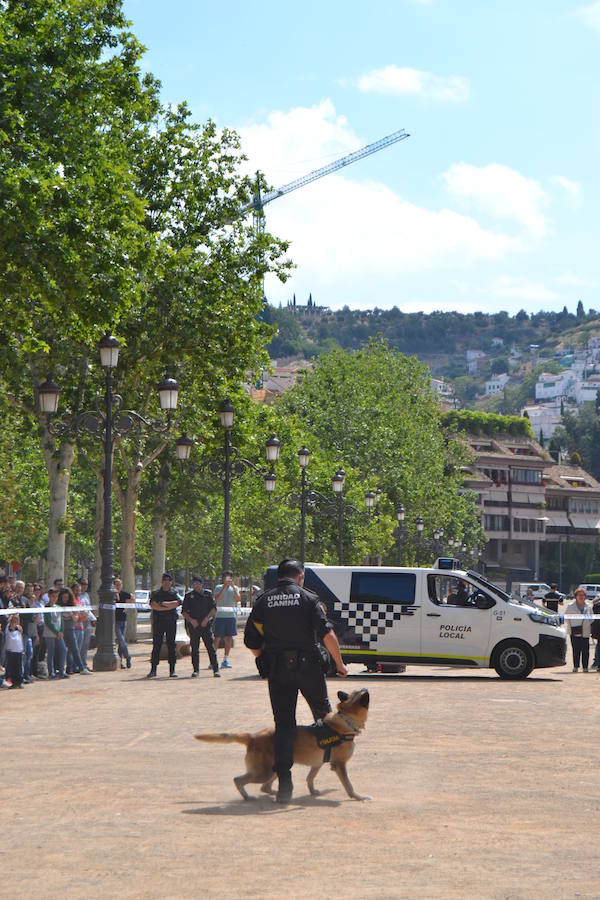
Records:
x=580, y=310
x=72, y=106
x=197, y=311
x=376, y=410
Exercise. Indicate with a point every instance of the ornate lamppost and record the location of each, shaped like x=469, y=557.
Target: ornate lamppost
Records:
x=109, y=425
x=229, y=466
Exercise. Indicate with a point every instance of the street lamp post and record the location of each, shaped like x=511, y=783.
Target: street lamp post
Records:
x=109, y=424
x=400, y=514
x=230, y=466
x=303, y=457
x=420, y=527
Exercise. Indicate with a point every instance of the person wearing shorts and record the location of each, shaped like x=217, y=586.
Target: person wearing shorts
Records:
x=227, y=597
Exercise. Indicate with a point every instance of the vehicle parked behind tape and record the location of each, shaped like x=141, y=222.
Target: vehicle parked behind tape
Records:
x=440, y=616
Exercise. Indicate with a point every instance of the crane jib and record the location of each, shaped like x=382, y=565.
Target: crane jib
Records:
x=260, y=201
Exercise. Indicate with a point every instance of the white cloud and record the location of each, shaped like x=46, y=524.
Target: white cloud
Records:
x=590, y=15
x=349, y=237
x=508, y=288
x=500, y=192
x=290, y=144
x=397, y=82
x=572, y=188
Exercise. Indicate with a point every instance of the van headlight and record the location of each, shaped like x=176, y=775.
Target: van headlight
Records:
x=544, y=618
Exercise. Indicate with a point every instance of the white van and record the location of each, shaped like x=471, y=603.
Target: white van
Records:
x=539, y=588
x=439, y=616
x=592, y=590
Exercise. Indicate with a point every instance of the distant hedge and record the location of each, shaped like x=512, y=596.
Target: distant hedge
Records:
x=486, y=423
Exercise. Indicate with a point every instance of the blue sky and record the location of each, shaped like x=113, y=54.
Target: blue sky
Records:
x=490, y=204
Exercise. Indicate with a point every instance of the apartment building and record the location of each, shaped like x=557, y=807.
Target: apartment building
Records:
x=527, y=500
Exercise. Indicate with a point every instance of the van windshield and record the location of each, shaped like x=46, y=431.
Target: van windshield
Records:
x=488, y=584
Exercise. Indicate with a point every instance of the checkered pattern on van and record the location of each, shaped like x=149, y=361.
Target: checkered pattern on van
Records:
x=368, y=620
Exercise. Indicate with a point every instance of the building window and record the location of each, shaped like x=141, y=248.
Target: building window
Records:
x=527, y=476
x=496, y=523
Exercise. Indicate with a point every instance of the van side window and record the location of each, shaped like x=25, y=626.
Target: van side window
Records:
x=383, y=587
x=445, y=590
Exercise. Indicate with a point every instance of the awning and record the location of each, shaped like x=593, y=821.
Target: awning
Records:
x=492, y=564
x=589, y=523
x=496, y=494
x=557, y=519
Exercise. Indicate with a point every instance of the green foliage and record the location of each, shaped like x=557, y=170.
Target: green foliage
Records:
x=579, y=436
x=486, y=423
x=376, y=411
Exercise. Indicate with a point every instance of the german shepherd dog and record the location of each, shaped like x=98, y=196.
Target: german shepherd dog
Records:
x=348, y=721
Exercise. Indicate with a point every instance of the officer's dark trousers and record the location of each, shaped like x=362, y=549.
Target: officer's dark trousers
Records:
x=163, y=629
x=207, y=637
x=284, y=685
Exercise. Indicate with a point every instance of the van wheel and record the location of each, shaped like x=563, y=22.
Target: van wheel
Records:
x=513, y=659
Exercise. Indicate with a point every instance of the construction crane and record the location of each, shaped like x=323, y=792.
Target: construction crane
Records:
x=259, y=201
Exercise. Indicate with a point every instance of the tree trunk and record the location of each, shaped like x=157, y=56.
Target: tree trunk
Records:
x=128, y=501
x=159, y=523
x=58, y=464
x=67, y=563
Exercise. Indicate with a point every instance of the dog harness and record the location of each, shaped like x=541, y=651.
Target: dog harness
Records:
x=327, y=737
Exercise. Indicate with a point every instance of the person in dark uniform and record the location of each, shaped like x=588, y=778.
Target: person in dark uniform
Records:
x=163, y=603
x=198, y=611
x=552, y=599
x=282, y=632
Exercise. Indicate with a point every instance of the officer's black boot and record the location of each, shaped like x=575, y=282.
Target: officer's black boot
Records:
x=151, y=673
x=285, y=789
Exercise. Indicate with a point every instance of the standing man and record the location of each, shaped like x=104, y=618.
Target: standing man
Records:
x=122, y=596
x=552, y=599
x=227, y=597
x=198, y=611
x=163, y=603
x=282, y=632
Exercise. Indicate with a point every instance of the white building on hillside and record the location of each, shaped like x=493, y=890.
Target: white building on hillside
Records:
x=475, y=358
x=553, y=387
x=586, y=390
x=496, y=384
x=544, y=419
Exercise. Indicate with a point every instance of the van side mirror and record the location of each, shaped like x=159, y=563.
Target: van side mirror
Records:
x=484, y=602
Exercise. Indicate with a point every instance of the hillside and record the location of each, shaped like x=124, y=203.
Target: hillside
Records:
x=308, y=334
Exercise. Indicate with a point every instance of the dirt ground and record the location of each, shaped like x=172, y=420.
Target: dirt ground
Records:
x=481, y=788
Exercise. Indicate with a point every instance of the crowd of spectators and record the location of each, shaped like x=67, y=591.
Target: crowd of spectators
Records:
x=46, y=644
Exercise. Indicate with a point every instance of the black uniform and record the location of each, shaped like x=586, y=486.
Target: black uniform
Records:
x=164, y=625
x=198, y=605
x=552, y=599
x=287, y=621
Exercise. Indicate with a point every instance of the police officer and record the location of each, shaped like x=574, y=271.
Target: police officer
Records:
x=282, y=632
x=163, y=603
x=198, y=605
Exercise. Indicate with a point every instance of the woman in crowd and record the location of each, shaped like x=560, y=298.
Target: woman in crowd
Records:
x=74, y=663
x=53, y=636
x=578, y=619
x=78, y=625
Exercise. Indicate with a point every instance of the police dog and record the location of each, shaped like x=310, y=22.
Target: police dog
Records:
x=348, y=722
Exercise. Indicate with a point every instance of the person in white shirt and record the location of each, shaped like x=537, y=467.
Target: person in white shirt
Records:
x=227, y=598
x=578, y=619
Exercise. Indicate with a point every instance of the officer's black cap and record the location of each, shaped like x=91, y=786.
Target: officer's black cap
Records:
x=197, y=579
x=167, y=576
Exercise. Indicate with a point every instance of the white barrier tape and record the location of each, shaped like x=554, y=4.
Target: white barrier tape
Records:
x=581, y=618
x=43, y=610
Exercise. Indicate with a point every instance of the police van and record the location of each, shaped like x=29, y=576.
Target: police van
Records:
x=385, y=617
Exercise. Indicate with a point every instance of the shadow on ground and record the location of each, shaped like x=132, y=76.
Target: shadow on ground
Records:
x=261, y=806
